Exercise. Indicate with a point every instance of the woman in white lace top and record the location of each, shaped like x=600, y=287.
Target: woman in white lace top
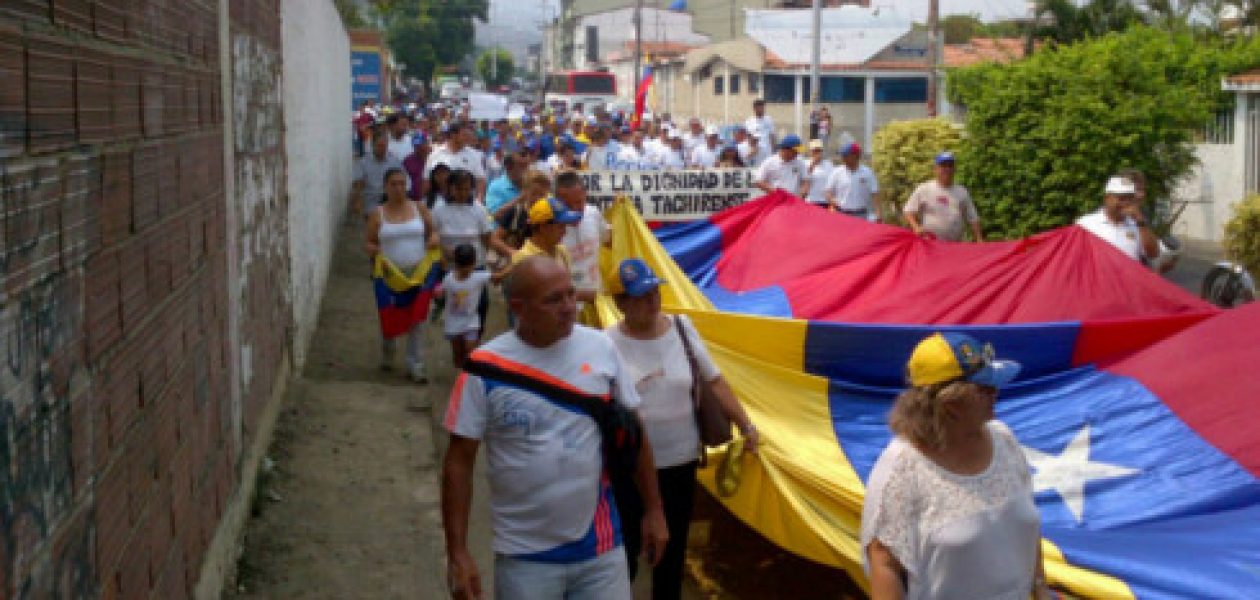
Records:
x=949, y=512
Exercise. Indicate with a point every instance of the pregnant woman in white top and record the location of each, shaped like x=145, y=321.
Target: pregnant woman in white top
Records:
x=949, y=512
x=402, y=230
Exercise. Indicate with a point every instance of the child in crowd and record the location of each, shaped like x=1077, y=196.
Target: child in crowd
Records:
x=463, y=289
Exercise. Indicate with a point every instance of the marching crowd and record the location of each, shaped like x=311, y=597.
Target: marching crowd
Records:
x=593, y=437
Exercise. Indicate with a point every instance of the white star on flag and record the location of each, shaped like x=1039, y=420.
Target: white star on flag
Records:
x=1068, y=472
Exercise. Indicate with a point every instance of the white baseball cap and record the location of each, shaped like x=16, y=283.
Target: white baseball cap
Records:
x=1121, y=186
x=712, y=130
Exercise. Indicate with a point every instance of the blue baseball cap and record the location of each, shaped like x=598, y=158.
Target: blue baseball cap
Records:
x=418, y=138
x=634, y=278
x=790, y=141
x=948, y=356
x=945, y=157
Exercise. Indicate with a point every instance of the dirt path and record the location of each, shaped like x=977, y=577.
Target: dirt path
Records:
x=350, y=506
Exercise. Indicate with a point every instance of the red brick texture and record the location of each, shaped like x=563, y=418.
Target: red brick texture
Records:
x=115, y=400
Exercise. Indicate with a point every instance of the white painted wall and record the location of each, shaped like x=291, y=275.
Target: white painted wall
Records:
x=317, y=138
x=616, y=27
x=1216, y=183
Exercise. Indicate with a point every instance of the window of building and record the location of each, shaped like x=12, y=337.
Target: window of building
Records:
x=901, y=90
x=754, y=82
x=734, y=84
x=843, y=89
x=782, y=89
x=718, y=82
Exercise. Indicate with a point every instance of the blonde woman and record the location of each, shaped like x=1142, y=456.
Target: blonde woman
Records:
x=949, y=511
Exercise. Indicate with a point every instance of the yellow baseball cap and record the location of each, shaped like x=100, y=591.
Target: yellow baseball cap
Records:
x=948, y=356
x=551, y=210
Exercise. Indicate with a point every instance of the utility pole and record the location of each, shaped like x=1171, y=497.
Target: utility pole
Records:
x=934, y=40
x=816, y=58
x=638, y=45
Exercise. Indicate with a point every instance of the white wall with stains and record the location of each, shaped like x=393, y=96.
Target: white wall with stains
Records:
x=317, y=134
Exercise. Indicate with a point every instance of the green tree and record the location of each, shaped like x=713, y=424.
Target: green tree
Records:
x=350, y=15
x=959, y=29
x=493, y=74
x=425, y=34
x=1066, y=21
x=1043, y=134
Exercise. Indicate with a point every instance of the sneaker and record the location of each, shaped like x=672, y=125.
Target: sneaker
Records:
x=416, y=373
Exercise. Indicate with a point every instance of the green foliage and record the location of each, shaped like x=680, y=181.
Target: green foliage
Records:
x=503, y=71
x=959, y=29
x=424, y=34
x=1044, y=134
x=903, y=152
x=351, y=18
x=1066, y=21
x=1242, y=234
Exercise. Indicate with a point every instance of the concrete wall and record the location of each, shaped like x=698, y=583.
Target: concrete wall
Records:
x=613, y=32
x=114, y=411
x=316, y=77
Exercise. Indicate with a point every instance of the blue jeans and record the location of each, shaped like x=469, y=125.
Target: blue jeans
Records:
x=601, y=578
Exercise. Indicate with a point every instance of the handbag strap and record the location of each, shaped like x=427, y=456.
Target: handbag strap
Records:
x=691, y=362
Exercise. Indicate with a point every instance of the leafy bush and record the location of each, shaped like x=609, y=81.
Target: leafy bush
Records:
x=903, y=152
x=1044, y=134
x=1242, y=234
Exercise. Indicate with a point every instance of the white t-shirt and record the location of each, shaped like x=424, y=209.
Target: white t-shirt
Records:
x=583, y=240
x=785, y=175
x=401, y=148
x=671, y=159
x=462, y=298
x=1126, y=236
x=750, y=153
x=691, y=141
x=629, y=158
x=599, y=158
x=704, y=157
x=468, y=158
x=958, y=536
x=853, y=190
x=818, y=181
x=462, y=223
x=544, y=458
x=764, y=127
x=662, y=377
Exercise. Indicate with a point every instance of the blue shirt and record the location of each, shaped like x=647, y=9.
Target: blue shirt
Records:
x=500, y=192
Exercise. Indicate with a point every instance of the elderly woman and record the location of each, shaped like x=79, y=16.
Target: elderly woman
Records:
x=949, y=510
x=651, y=345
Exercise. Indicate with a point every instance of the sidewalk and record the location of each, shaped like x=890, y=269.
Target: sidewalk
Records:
x=350, y=508
x=1197, y=257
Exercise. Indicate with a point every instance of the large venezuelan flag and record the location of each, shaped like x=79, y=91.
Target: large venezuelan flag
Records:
x=402, y=299
x=1137, y=407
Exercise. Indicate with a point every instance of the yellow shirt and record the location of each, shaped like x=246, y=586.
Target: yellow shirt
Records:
x=531, y=249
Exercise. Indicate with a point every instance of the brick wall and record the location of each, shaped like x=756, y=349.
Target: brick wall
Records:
x=118, y=443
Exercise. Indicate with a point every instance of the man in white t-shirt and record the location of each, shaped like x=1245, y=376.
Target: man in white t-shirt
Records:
x=852, y=188
x=705, y=156
x=694, y=136
x=939, y=208
x=399, y=135
x=819, y=169
x=458, y=153
x=761, y=126
x=785, y=170
x=584, y=238
x=1120, y=222
x=557, y=533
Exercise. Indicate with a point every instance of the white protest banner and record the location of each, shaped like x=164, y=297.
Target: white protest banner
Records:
x=672, y=195
x=487, y=107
